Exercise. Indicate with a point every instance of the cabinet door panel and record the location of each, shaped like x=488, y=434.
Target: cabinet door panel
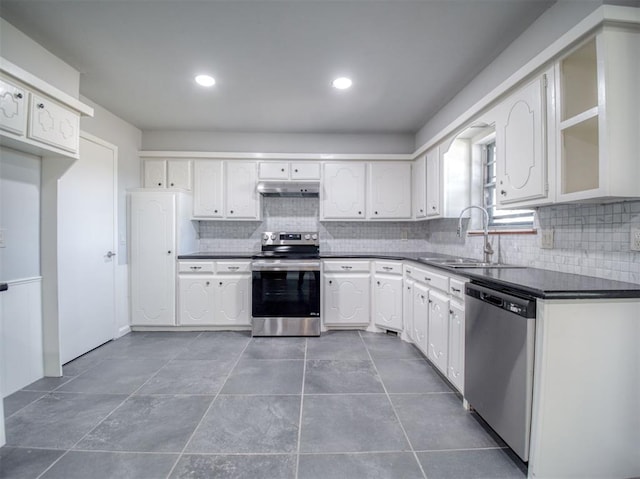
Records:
x=179, y=174
x=53, y=124
x=438, y=330
x=13, y=112
x=388, y=301
x=390, y=190
x=153, y=218
x=346, y=299
x=155, y=173
x=407, y=308
x=433, y=183
x=197, y=300
x=420, y=315
x=233, y=300
x=271, y=170
x=208, y=194
x=344, y=190
x=305, y=171
x=419, y=188
x=242, y=198
x=455, y=371
x=520, y=145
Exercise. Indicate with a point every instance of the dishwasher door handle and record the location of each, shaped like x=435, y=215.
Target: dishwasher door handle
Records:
x=489, y=298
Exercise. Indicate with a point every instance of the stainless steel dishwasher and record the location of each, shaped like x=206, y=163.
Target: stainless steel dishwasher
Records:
x=499, y=343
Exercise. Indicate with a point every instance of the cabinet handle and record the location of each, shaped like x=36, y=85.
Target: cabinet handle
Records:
x=233, y=268
x=207, y=283
x=169, y=252
x=451, y=311
x=18, y=96
x=427, y=279
x=378, y=283
x=430, y=301
x=375, y=212
x=195, y=268
x=220, y=283
x=359, y=212
x=455, y=289
x=110, y=254
x=40, y=105
x=503, y=192
x=159, y=184
x=296, y=170
x=387, y=268
x=282, y=169
x=433, y=207
x=408, y=271
x=171, y=184
x=231, y=212
x=421, y=210
x=330, y=282
x=347, y=267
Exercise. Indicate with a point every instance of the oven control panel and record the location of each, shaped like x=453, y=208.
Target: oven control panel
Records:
x=283, y=238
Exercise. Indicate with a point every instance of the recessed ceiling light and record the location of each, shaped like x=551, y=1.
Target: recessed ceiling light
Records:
x=205, y=80
x=342, y=83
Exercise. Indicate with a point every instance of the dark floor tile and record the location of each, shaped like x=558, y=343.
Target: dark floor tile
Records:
x=47, y=384
x=384, y=346
x=478, y=464
x=410, y=376
x=350, y=423
x=389, y=465
x=225, y=346
x=438, y=421
x=21, y=463
x=82, y=364
x=275, y=348
x=249, y=424
x=149, y=346
x=109, y=465
x=19, y=399
x=354, y=376
x=149, y=424
x=114, y=376
x=59, y=420
x=188, y=376
x=337, y=345
x=253, y=376
x=235, y=467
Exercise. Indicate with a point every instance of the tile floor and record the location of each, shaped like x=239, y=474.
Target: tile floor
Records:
x=223, y=405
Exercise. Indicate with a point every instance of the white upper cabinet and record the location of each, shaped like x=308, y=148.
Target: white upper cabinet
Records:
x=389, y=190
x=521, y=145
x=208, y=189
x=434, y=180
x=53, y=124
x=419, y=188
x=343, y=195
x=275, y=170
x=243, y=201
x=167, y=174
x=13, y=107
x=598, y=124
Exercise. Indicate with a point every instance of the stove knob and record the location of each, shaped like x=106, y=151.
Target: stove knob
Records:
x=265, y=237
x=314, y=236
x=273, y=237
x=307, y=237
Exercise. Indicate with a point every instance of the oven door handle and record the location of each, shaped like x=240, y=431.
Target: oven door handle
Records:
x=282, y=266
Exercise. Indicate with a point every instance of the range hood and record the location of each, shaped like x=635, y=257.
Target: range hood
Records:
x=309, y=189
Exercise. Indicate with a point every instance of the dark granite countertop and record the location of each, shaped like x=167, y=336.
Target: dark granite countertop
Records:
x=540, y=283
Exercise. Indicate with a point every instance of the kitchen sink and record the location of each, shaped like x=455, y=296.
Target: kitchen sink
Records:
x=466, y=263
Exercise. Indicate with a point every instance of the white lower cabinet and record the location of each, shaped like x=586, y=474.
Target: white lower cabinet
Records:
x=438, y=351
x=346, y=287
x=214, y=293
x=407, y=308
x=387, y=295
x=455, y=369
x=420, y=315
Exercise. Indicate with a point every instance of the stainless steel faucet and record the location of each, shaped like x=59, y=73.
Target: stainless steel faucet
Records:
x=487, y=249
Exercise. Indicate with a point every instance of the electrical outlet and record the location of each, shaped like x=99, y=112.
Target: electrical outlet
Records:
x=546, y=239
x=635, y=239
x=2, y=241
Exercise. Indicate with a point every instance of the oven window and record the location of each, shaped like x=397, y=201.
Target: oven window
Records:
x=285, y=294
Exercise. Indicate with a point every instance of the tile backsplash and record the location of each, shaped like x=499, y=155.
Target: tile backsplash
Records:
x=589, y=239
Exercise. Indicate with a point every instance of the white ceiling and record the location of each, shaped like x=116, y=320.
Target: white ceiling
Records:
x=274, y=60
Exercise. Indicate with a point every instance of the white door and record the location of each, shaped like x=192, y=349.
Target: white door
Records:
x=197, y=300
x=390, y=190
x=407, y=308
x=388, y=301
x=207, y=189
x=86, y=249
x=344, y=190
x=433, y=182
x=346, y=299
x=232, y=300
x=243, y=201
x=438, y=330
x=455, y=373
x=420, y=315
x=419, y=188
x=155, y=174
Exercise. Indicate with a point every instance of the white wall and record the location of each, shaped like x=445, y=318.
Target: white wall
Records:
x=550, y=26
x=277, y=142
x=19, y=215
x=32, y=57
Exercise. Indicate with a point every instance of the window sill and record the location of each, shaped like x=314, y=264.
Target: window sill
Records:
x=524, y=231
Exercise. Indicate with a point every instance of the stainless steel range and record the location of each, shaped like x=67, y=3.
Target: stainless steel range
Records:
x=286, y=285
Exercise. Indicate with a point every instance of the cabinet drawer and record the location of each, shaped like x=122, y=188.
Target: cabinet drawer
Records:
x=346, y=266
x=429, y=277
x=195, y=266
x=13, y=114
x=388, y=267
x=456, y=288
x=230, y=267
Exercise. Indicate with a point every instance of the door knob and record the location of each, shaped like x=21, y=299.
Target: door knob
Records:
x=110, y=254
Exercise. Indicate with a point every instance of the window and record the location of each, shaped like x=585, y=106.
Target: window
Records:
x=500, y=218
